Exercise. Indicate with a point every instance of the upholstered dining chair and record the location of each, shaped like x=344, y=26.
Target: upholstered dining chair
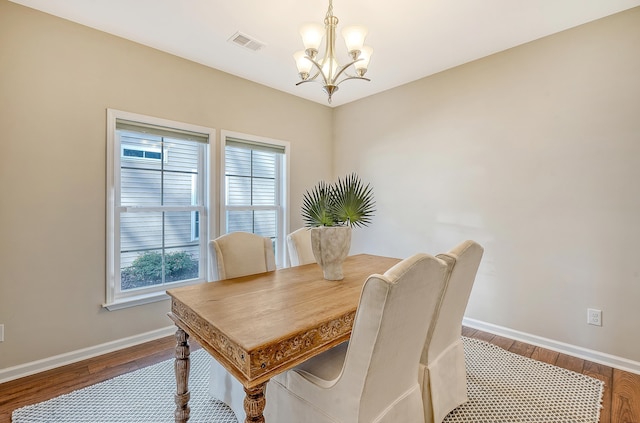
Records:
x=234, y=255
x=299, y=246
x=240, y=254
x=372, y=378
x=442, y=373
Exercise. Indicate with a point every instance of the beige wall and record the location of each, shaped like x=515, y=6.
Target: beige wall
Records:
x=533, y=152
x=56, y=81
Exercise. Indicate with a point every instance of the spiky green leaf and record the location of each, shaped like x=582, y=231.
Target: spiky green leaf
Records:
x=317, y=206
x=347, y=202
x=354, y=203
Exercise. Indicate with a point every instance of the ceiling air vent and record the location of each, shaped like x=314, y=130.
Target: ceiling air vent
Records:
x=244, y=40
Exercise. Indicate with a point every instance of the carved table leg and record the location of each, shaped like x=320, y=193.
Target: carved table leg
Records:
x=181, y=367
x=254, y=403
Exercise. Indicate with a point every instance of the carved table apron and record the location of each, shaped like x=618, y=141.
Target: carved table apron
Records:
x=260, y=325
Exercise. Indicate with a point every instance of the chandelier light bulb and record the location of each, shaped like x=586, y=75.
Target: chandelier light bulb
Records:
x=363, y=64
x=330, y=68
x=303, y=64
x=354, y=39
x=312, y=34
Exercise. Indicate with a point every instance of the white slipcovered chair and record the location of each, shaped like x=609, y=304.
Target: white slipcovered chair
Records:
x=299, y=246
x=442, y=374
x=372, y=378
x=234, y=255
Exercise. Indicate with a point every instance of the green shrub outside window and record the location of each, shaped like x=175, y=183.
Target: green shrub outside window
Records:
x=147, y=269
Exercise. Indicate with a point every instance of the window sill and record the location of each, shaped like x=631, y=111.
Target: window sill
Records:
x=135, y=301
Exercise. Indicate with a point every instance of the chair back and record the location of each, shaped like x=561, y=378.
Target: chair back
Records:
x=388, y=335
x=442, y=363
x=299, y=247
x=462, y=263
x=239, y=254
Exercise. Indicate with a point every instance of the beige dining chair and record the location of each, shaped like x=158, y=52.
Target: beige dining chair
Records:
x=442, y=375
x=299, y=247
x=240, y=254
x=234, y=255
x=373, y=377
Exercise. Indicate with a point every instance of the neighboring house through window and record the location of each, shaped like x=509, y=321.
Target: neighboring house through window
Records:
x=158, y=207
x=255, y=188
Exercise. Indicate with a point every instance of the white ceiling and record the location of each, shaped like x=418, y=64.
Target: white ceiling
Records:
x=411, y=38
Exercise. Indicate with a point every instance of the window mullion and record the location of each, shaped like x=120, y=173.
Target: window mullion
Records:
x=146, y=209
x=164, y=215
x=253, y=213
x=241, y=208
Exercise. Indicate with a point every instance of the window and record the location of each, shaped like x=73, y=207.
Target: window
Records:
x=255, y=188
x=157, y=207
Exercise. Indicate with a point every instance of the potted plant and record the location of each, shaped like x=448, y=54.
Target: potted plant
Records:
x=331, y=210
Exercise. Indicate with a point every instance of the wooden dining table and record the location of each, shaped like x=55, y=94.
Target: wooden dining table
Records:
x=261, y=325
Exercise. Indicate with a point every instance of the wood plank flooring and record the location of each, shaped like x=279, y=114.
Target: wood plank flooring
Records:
x=621, y=402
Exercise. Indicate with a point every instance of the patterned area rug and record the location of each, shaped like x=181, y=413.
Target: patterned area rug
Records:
x=503, y=388
x=142, y=396
x=506, y=387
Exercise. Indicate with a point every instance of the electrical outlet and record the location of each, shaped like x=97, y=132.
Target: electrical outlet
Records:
x=1, y=333
x=594, y=317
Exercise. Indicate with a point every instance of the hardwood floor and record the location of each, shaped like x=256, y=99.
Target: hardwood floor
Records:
x=621, y=401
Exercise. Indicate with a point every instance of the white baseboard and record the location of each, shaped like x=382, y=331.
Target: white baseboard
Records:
x=26, y=369
x=572, y=350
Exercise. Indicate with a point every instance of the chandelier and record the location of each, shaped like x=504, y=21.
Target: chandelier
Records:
x=327, y=69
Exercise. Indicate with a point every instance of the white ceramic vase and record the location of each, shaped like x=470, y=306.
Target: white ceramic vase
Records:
x=330, y=245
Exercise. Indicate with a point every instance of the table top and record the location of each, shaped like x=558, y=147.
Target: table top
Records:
x=260, y=325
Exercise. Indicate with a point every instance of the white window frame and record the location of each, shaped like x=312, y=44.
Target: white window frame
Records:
x=115, y=298
x=283, y=190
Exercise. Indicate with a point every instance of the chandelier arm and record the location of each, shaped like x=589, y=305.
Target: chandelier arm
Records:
x=342, y=69
x=319, y=67
x=311, y=78
x=306, y=80
x=314, y=76
x=353, y=77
